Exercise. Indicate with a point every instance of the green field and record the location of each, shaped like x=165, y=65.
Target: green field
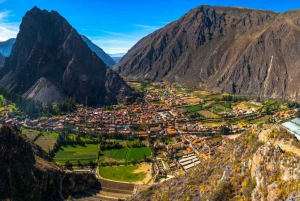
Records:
x=50, y=134
x=138, y=153
x=126, y=154
x=219, y=108
x=193, y=108
x=77, y=152
x=118, y=154
x=256, y=121
x=122, y=173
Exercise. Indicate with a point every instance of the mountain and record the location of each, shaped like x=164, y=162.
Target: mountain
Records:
x=223, y=49
x=6, y=46
x=26, y=172
x=2, y=60
x=99, y=52
x=117, y=57
x=50, y=61
x=261, y=164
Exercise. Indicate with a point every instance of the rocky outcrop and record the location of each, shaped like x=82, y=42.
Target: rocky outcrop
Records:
x=245, y=169
x=6, y=46
x=222, y=49
x=100, y=53
x=50, y=61
x=26, y=172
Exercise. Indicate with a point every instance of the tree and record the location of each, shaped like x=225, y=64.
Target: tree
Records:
x=68, y=164
x=79, y=163
x=225, y=130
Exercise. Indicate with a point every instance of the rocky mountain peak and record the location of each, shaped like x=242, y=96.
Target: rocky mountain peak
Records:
x=50, y=61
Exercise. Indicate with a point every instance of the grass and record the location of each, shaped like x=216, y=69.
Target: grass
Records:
x=76, y=152
x=50, y=134
x=179, y=89
x=256, y=121
x=193, y=108
x=219, y=108
x=138, y=153
x=253, y=105
x=126, y=154
x=118, y=154
x=122, y=173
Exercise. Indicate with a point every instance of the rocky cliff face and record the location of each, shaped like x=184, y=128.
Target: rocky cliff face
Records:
x=26, y=172
x=100, y=53
x=223, y=49
x=50, y=61
x=6, y=46
x=261, y=164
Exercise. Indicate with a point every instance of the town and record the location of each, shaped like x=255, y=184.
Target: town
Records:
x=129, y=147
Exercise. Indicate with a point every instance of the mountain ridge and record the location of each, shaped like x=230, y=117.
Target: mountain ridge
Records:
x=222, y=49
x=99, y=51
x=55, y=60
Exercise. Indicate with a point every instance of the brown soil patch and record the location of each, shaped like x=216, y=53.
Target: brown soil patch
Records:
x=145, y=167
x=208, y=114
x=46, y=143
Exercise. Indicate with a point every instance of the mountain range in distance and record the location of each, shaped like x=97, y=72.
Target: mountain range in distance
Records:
x=117, y=56
x=50, y=61
x=100, y=53
x=6, y=46
x=222, y=49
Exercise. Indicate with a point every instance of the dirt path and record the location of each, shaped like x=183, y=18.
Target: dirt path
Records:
x=232, y=136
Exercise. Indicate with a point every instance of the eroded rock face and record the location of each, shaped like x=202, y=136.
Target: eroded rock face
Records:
x=222, y=49
x=26, y=172
x=49, y=48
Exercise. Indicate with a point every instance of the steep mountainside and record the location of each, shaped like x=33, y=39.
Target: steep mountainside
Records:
x=261, y=164
x=223, y=49
x=100, y=53
x=6, y=46
x=2, y=60
x=50, y=61
x=26, y=172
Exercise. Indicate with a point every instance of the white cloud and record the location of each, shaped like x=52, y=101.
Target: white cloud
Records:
x=7, y=29
x=114, y=33
x=113, y=46
x=147, y=27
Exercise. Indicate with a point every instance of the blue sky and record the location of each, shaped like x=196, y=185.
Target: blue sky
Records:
x=116, y=25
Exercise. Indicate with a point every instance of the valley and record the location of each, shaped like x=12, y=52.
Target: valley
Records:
x=205, y=107
x=170, y=132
